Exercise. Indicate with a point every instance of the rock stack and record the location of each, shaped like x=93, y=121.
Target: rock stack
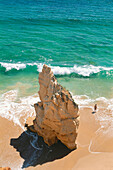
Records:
x=57, y=115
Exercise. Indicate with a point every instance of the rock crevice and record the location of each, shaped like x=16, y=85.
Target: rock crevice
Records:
x=57, y=115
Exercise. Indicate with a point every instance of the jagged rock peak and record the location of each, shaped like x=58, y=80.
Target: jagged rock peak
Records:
x=57, y=115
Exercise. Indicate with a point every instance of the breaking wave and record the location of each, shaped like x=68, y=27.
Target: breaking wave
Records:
x=17, y=110
x=84, y=71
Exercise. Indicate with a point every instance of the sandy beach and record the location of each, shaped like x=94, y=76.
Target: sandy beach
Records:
x=83, y=158
x=93, y=152
x=75, y=39
x=8, y=156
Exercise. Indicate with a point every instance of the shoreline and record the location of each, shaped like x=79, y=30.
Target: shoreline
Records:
x=78, y=159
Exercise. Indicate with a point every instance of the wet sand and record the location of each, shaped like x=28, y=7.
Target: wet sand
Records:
x=95, y=150
x=8, y=155
x=82, y=158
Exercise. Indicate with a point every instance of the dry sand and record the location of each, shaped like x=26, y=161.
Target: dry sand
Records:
x=95, y=150
x=8, y=155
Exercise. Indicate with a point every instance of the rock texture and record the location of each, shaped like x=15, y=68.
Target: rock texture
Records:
x=57, y=115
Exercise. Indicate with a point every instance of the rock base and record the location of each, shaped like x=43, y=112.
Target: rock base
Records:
x=57, y=115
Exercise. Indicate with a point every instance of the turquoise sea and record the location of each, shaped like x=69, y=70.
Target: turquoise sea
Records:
x=74, y=37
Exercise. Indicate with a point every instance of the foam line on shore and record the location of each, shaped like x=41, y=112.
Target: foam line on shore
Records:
x=19, y=111
x=13, y=110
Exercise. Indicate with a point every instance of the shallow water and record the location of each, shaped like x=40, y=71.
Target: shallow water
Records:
x=76, y=40
x=95, y=131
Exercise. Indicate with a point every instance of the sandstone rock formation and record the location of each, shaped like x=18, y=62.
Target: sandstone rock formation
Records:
x=57, y=115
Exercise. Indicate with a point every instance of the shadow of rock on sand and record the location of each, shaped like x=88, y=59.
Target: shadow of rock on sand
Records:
x=35, y=151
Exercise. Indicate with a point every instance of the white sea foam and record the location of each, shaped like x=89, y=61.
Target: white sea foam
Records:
x=103, y=135
x=83, y=100
x=17, y=111
x=10, y=66
x=85, y=70
x=10, y=95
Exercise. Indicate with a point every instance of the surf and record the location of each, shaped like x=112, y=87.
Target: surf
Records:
x=76, y=70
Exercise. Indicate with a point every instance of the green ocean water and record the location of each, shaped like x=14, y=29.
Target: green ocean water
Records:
x=75, y=38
